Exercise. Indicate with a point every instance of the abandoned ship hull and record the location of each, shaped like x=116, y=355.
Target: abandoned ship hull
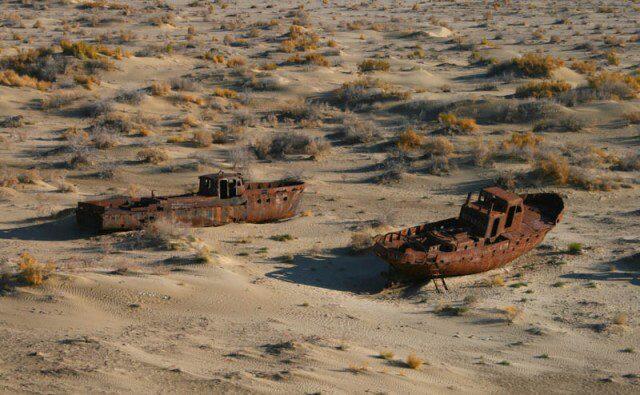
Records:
x=417, y=265
x=404, y=251
x=261, y=202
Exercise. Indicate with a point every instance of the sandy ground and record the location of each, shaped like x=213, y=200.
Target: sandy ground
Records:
x=119, y=314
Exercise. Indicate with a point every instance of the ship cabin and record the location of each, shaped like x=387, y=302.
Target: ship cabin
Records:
x=222, y=185
x=495, y=212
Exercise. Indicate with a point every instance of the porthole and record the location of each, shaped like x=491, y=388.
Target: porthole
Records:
x=259, y=201
x=285, y=198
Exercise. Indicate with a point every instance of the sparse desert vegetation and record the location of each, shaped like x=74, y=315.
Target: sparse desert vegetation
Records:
x=391, y=112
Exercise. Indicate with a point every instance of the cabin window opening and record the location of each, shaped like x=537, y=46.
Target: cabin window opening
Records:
x=510, y=215
x=285, y=198
x=259, y=201
x=494, y=230
x=224, y=189
x=233, y=188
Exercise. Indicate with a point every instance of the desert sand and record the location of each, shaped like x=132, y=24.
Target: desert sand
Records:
x=391, y=111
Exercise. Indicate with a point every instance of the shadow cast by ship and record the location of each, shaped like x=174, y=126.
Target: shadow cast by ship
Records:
x=336, y=270
x=62, y=229
x=626, y=269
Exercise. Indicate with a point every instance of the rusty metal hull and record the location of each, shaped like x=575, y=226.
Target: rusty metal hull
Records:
x=405, y=251
x=260, y=202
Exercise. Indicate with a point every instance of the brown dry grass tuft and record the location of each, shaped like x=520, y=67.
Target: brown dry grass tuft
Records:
x=528, y=65
x=368, y=65
x=160, y=88
x=409, y=140
x=414, y=362
x=32, y=272
x=152, y=155
x=543, y=89
x=11, y=78
x=452, y=124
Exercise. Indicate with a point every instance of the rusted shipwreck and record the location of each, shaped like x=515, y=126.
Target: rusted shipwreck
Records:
x=221, y=198
x=490, y=232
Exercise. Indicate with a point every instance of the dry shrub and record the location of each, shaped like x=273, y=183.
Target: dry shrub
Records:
x=450, y=123
x=132, y=97
x=14, y=121
x=369, y=65
x=300, y=39
x=58, y=100
x=360, y=242
x=307, y=114
x=41, y=64
x=282, y=144
x=63, y=186
x=414, y=362
x=178, y=139
x=438, y=165
x=167, y=234
x=32, y=272
x=8, y=177
x=588, y=156
x=190, y=121
x=203, y=254
x=152, y=155
x=632, y=117
x=216, y=58
x=165, y=19
x=568, y=123
x=553, y=168
x=394, y=167
x=226, y=93
x=160, y=88
x=102, y=4
x=81, y=157
x=612, y=58
x=630, y=162
x=528, y=65
x=612, y=85
x=438, y=146
x=84, y=51
x=584, y=67
x=511, y=313
x=355, y=130
x=357, y=369
x=521, y=145
x=543, y=89
x=236, y=61
x=31, y=176
x=365, y=91
x=189, y=98
x=483, y=153
x=103, y=138
x=87, y=81
x=311, y=58
x=202, y=139
x=621, y=319
x=409, y=140
x=11, y=78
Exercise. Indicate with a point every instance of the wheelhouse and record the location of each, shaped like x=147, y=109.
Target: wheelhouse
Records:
x=495, y=212
x=221, y=185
